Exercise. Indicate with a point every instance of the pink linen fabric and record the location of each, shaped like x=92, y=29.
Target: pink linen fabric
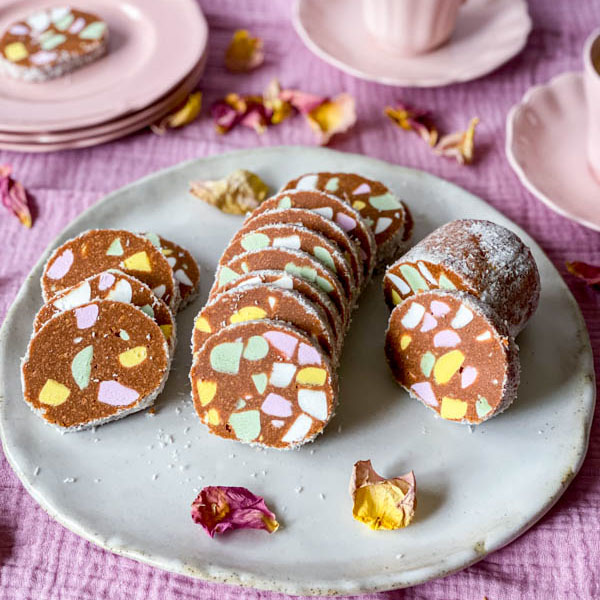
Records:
x=559, y=557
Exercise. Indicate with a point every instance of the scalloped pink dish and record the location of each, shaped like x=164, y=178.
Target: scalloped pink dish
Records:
x=487, y=34
x=153, y=46
x=545, y=145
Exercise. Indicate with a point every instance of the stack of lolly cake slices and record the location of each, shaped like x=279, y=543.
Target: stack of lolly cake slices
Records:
x=103, y=343
x=267, y=344
x=459, y=298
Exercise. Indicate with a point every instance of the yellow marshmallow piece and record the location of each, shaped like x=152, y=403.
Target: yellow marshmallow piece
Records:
x=248, y=313
x=311, y=376
x=166, y=251
x=133, y=357
x=16, y=51
x=54, y=393
x=213, y=417
x=138, y=262
x=405, y=340
x=447, y=365
x=453, y=408
x=206, y=391
x=358, y=204
x=396, y=299
x=203, y=325
x=167, y=330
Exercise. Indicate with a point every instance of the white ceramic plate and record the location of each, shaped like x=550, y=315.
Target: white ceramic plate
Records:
x=153, y=45
x=478, y=489
x=545, y=145
x=487, y=34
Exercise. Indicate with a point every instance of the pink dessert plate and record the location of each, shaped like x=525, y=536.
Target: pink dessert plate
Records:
x=153, y=46
x=48, y=142
x=488, y=33
x=545, y=145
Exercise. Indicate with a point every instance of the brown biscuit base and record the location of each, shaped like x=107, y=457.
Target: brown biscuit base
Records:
x=93, y=364
x=476, y=256
x=263, y=383
x=99, y=250
x=52, y=42
x=288, y=281
x=264, y=301
x=295, y=237
x=185, y=268
x=451, y=352
x=334, y=209
x=387, y=215
x=311, y=220
x=111, y=285
x=295, y=262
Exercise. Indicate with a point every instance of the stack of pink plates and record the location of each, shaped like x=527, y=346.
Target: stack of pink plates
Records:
x=157, y=53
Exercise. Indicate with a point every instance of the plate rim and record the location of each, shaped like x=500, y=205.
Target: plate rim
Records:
x=384, y=581
x=516, y=166
x=407, y=82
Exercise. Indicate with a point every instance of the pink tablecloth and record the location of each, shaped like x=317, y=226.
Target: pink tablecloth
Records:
x=560, y=557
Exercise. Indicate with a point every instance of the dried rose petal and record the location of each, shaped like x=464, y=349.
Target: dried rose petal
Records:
x=14, y=196
x=589, y=273
x=459, y=145
x=278, y=109
x=236, y=110
x=382, y=503
x=244, y=52
x=238, y=193
x=332, y=116
x=225, y=116
x=184, y=115
x=222, y=508
x=304, y=103
x=413, y=119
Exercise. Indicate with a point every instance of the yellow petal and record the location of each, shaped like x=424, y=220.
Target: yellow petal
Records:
x=54, y=393
x=244, y=52
x=332, y=116
x=133, y=356
x=182, y=116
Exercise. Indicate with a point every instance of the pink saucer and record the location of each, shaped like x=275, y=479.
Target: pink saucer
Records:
x=154, y=45
x=545, y=145
x=487, y=34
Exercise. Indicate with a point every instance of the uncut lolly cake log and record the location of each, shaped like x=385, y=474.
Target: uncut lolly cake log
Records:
x=264, y=301
x=264, y=383
x=95, y=363
x=295, y=262
x=333, y=209
x=185, y=268
x=382, y=210
x=479, y=257
x=288, y=281
x=295, y=237
x=310, y=220
x=111, y=285
x=98, y=250
x=449, y=350
x=52, y=42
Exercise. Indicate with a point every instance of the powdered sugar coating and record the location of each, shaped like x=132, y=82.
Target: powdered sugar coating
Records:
x=491, y=261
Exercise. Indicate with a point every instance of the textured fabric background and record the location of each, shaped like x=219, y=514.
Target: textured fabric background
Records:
x=559, y=557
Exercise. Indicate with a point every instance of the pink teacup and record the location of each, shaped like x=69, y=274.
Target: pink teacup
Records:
x=411, y=27
x=591, y=76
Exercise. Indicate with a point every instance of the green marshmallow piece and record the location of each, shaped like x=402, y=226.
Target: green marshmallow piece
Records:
x=386, y=201
x=414, y=278
x=308, y=273
x=324, y=284
x=240, y=404
x=225, y=358
x=333, y=184
x=148, y=310
x=123, y=335
x=81, y=367
x=445, y=283
x=427, y=362
x=246, y=425
x=52, y=42
x=152, y=237
x=256, y=348
x=324, y=257
x=226, y=275
x=285, y=202
x=115, y=248
x=292, y=269
x=64, y=22
x=260, y=382
x=255, y=241
x=94, y=31
x=482, y=406
x=369, y=222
